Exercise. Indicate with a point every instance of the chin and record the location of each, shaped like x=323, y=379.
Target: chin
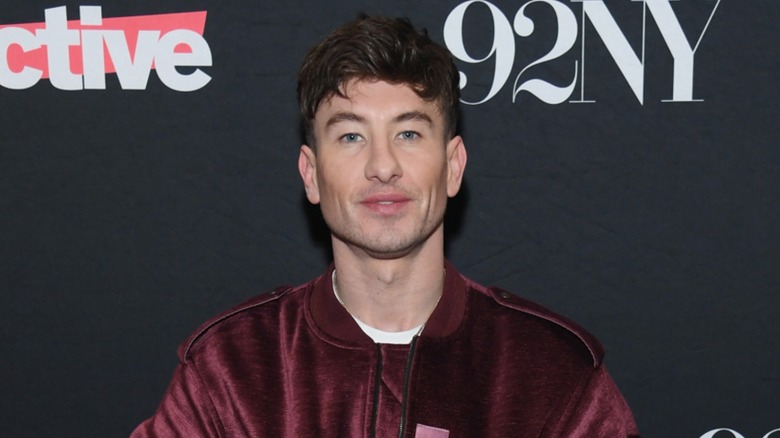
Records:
x=392, y=253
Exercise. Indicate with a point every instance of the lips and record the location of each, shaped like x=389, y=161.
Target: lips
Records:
x=386, y=203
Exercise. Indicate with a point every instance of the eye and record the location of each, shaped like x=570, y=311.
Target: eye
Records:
x=350, y=137
x=409, y=135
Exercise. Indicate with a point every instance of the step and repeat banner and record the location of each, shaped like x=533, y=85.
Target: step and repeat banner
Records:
x=624, y=170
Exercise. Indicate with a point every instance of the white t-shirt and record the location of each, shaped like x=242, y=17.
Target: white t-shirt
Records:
x=383, y=337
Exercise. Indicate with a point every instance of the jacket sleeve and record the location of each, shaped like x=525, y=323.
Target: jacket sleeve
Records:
x=186, y=409
x=599, y=412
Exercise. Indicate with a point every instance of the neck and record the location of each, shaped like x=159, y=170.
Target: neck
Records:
x=391, y=295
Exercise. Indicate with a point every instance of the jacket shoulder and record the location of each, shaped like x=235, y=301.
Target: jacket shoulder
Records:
x=252, y=303
x=527, y=307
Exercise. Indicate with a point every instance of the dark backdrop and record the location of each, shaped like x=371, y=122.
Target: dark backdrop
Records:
x=130, y=216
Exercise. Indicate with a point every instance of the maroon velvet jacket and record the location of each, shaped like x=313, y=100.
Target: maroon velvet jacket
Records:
x=293, y=363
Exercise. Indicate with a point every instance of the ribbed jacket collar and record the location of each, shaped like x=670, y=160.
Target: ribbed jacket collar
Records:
x=331, y=317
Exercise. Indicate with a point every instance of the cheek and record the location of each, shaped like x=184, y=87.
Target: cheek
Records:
x=333, y=186
x=435, y=176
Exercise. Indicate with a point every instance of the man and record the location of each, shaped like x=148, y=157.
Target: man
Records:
x=391, y=340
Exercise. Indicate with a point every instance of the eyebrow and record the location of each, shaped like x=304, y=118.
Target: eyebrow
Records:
x=344, y=117
x=414, y=116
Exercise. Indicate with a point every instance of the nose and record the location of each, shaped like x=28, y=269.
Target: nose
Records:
x=382, y=164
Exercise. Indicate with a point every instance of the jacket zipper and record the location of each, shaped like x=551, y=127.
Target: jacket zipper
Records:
x=407, y=378
x=377, y=387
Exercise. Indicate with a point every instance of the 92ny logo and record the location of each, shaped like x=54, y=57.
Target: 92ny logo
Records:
x=630, y=63
x=716, y=433
x=77, y=55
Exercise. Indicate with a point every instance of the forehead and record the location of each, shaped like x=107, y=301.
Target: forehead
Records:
x=376, y=100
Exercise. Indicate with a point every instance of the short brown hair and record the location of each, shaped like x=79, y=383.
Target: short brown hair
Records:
x=378, y=48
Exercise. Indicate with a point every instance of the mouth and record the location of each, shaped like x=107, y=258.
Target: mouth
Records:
x=386, y=204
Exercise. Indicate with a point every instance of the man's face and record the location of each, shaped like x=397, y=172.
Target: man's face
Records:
x=382, y=170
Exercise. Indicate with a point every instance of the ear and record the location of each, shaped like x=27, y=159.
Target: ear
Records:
x=307, y=167
x=456, y=165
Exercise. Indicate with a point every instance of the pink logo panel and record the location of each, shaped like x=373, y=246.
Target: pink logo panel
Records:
x=424, y=431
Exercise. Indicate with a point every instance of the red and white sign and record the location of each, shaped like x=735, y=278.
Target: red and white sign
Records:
x=77, y=54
